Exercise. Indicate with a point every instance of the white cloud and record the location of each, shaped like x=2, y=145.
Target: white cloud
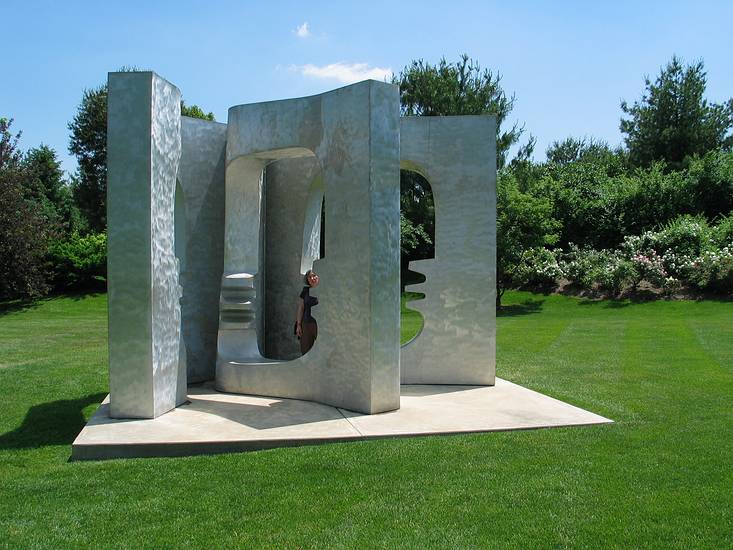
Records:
x=346, y=73
x=303, y=31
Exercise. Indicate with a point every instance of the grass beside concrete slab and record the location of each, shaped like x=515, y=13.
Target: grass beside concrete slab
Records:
x=659, y=477
x=410, y=320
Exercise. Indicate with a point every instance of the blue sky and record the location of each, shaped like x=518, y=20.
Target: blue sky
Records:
x=569, y=63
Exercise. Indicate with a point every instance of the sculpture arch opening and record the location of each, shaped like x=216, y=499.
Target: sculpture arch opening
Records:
x=417, y=225
x=294, y=242
x=313, y=225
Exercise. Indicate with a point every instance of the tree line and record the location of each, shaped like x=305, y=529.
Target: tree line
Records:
x=576, y=208
x=53, y=227
x=672, y=175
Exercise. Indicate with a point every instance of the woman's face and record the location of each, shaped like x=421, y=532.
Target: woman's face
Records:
x=313, y=279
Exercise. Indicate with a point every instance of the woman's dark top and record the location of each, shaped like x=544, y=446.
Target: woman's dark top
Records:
x=308, y=302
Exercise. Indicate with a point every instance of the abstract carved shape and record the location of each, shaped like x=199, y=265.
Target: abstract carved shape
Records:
x=212, y=225
x=353, y=133
x=457, y=156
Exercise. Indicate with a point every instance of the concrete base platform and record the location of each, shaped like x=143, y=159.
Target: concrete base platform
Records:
x=214, y=422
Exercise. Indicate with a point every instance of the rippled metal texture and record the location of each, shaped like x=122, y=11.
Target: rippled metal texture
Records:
x=144, y=147
x=236, y=209
x=354, y=134
x=201, y=177
x=457, y=345
x=289, y=184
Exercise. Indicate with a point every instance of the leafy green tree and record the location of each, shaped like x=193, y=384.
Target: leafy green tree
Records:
x=416, y=203
x=417, y=222
x=194, y=111
x=23, y=231
x=79, y=261
x=411, y=235
x=45, y=185
x=589, y=149
x=673, y=120
x=89, y=143
x=460, y=88
x=524, y=222
x=710, y=184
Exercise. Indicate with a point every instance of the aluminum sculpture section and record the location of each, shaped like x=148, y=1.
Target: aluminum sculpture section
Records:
x=199, y=247
x=293, y=238
x=353, y=133
x=146, y=377
x=457, y=344
x=207, y=220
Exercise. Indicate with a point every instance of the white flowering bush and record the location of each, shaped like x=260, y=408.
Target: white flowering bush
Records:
x=583, y=267
x=617, y=275
x=713, y=270
x=678, y=265
x=639, y=244
x=686, y=253
x=688, y=235
x=649, y=266
x=539, y=267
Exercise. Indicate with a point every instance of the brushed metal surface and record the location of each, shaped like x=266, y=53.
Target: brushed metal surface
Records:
x=201, y=177
x=353, y=132
x=144, y=147
x=457, y=344
x=292, y=245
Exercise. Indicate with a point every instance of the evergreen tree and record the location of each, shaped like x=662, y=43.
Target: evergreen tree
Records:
x=461, y=88
x=89, y=143
x=45, y=186
x=673, y=121
x=23, y=231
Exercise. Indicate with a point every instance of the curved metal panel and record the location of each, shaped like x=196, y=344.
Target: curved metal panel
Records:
x=201, y=175
x=457, y=345
x=354, y=134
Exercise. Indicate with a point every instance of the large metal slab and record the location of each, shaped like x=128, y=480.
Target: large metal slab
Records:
x=200, y=240
x=457, y=344
x=214, y=422
x=353, y=133
x=146, y=377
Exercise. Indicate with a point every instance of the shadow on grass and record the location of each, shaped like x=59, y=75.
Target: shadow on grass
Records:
x=525, y=308
x=607, y=303
x=24, y=304
x=11, y=306
x=54, y=423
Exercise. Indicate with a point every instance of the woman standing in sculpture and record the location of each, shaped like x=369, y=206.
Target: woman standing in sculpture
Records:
x=306, y=327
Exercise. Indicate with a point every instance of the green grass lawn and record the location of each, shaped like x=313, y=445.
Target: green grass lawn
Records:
x=410, y=320
x=660, y=477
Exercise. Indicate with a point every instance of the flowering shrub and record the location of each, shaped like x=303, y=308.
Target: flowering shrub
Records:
x=583, y=267
x=687, y=235
x=539, y=267
x=713, y=270
x=639, y=244
x=650, y=267
x=687, y=252
x=615, y=276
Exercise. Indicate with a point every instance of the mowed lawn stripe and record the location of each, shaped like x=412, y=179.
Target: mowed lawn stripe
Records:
x=659, y=477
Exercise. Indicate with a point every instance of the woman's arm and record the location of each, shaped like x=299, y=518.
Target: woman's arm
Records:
x=299, y=318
